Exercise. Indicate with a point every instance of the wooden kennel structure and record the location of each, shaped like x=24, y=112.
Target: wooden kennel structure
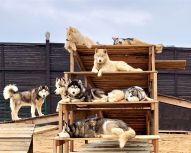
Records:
x=142, y=116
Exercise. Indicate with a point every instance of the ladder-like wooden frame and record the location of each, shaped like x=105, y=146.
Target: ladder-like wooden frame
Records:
x=69, y=109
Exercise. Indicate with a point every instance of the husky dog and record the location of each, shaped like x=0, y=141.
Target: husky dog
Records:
x=74, y=37
x=102, y=63
x=136, y=93
x=99, y=127
x=116, y=95
x=77, y=92
x=61, y=89
x=34, y=98
x=134, y=41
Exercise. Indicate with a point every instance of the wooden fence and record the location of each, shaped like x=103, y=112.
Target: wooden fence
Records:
x=29, y=65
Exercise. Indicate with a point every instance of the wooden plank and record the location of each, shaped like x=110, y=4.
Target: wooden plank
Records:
x=37, y=120
x=170, y=64
x=138, y=137
x=46, y=128
x=109, y=73
x=174, y=101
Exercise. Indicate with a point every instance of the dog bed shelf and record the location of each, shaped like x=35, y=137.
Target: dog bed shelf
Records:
x=141, y=116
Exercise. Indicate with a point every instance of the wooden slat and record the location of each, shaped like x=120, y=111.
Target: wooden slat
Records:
x=109, y=73
x=138, y=137
x=37, y=120
x=170, y=64
x=174, y=101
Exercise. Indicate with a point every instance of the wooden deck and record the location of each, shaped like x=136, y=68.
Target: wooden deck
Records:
x=113, y=147
x=16, y=138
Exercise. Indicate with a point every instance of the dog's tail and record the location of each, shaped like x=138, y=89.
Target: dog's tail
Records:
x=97, y=93
x=9, y=90
x=124, y=137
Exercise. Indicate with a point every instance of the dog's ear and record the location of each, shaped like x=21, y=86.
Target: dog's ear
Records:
x=80, y=82
x=46, y=87
x=40, y=88
x=96, y=50
x=56, y=79
x=114, y=38
x=69, y=81
x=105, y=51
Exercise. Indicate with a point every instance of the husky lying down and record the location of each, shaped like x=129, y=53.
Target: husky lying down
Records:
x=134, y=41
x=34, y=98
x=77, y=92
x=102, y=63
x=99, y=128
x=74, y=37
x=132, y=94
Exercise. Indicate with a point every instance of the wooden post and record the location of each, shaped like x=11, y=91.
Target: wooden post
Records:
x=48, y=104
x=71, y=121
x=71, y=61
x=60, y=124
x=66, y=119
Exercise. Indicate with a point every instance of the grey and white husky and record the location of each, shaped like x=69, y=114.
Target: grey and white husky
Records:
x=99, y=128
x=77, y=92
x=136, y=93
x=34, y=98
x=131, y=94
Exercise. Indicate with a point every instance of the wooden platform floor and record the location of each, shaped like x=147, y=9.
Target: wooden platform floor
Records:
x=113, y=147
x=16, y=138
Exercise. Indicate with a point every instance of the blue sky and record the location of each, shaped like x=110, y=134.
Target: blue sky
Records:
x=156, y=21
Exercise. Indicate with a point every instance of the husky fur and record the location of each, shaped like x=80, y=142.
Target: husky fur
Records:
x=61, y=89
x=74, y=37
x=116, y=95
x=78, y=93
x=134, y=41
x=99, y=127
x=34, y=98
x=102, y=63
x=136, y=93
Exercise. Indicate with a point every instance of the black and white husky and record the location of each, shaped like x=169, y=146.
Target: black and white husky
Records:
x=34, y=98
x=99, y=128
x=77, y=92
x=132, y=94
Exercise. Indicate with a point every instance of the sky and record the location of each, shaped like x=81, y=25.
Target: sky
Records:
x=165, y=22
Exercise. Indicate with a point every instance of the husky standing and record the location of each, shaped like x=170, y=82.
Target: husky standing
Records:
x=34, y=98
x=99, y=127
x=102, y=63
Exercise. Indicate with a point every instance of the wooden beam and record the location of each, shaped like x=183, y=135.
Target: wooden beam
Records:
x=170, y=64
x=174, y=101
x=37, y=120
x=82, y=68
x=137, y=137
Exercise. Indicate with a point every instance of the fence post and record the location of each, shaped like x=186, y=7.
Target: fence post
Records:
x=48, y=81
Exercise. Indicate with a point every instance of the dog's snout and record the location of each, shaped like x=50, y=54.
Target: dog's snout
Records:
x=100, y=61
x=73, y=92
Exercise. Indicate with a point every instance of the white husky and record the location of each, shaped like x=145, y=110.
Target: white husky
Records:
x=102, y=63
x=74, y=37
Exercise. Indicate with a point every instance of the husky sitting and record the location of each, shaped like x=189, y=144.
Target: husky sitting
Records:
x=132, y=94
x=102, y=63
x=99, y=128
x=74, y=37
x=136, y=93
x=134, y=41
x=34, y=98
x=61, y=89
x=78, y=93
